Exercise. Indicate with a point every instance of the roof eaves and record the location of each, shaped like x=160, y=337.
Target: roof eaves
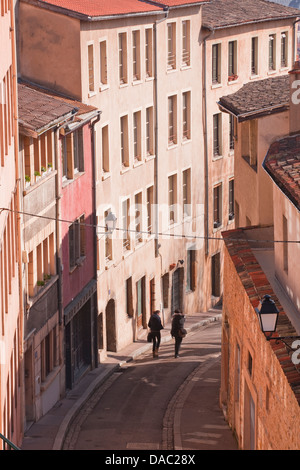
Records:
x=85, y=17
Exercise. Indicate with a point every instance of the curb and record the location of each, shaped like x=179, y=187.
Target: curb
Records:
x=67, y=421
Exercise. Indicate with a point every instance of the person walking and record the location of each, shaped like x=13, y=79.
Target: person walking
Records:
x=177, y=330
x=155, y=326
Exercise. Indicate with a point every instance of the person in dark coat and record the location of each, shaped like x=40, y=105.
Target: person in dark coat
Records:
x=155, y=326
x=177, y=330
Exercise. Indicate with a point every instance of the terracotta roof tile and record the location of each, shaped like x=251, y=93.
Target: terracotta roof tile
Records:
x=38, y=110
x=259, y=96
x=103, y=8
x=282, y=162
x=224, y=13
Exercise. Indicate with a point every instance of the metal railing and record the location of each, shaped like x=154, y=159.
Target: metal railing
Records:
x=7, y=444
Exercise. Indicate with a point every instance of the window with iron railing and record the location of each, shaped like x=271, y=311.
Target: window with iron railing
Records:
x=217, y=206
x=150, y=200
x=149, y=52
x=272, y=52
x=123, y=58
x=136, y=63
x=217, y=129
x=284, y=49
x=91, y=67
x=172, y=120
x=171, y=60
x=186, y=115
x=103, y=63
x=216, y=63
x=186, y=52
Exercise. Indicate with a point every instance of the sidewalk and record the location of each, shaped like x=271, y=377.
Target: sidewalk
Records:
x=48, y=433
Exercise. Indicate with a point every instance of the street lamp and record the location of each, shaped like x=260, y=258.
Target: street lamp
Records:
x=268, y=316
x=110, y=222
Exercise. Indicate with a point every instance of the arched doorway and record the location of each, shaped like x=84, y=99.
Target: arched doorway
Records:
x=110, y=315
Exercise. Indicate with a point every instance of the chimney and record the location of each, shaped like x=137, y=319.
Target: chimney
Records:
x=295, y=98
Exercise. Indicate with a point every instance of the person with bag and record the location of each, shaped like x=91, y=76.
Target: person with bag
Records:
x=177, y=330
x=155, y=326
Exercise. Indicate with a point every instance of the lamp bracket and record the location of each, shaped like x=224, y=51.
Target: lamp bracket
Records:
x=282, y=339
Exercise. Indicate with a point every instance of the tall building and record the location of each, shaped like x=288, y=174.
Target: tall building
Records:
x=140, y=65
x=11, y=311
x=245, y=43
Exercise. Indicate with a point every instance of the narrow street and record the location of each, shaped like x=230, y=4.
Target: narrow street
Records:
x=140, y=407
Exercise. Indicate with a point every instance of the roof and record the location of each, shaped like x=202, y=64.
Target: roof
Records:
x=258, y=98
x=40, y=109
x=224, y=13
x=114, y=8
x=282, y=163
x=256, y=285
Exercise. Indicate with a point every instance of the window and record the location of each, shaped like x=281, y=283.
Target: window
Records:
x=172, y=119
x=217, y=205
x=254, y=56
x=191, y=270
x=171, y=60
x=186, y=192
x=216, y=63
x=232, y=59
x=136, y=64
x=72, y=154
x=231, y=131
x=125, y=224
x=137, y=148
x=149, y=52
x=272, y=52
x=123, y=58
x=284, y=49
x=231, y=199
x=105, y=149
x=76, y=242
x=41, y=265
x=108, y=240
x=217, y=129
x=124, y=141
x=285, y=245
x=38, y=156
x=215, y=275
x=103, y=63
x=186, y=115
x=149, y=209
x=138, y=217
x=149, y=131
x=186, y=53
x=49, y=353
x=91, y=67
x=172, y=188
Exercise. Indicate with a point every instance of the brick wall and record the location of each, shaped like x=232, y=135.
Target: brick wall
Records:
x=264, y=382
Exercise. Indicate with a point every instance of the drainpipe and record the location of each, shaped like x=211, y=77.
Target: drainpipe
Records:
x=92, y=128
x=156, y=131
x=206, y=148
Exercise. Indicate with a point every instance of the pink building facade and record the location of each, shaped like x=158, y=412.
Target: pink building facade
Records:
x=11, y=314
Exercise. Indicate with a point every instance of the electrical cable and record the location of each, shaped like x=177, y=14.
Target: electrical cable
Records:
x=162, y=234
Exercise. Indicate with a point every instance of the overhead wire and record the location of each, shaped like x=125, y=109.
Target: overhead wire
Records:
x=162, y=234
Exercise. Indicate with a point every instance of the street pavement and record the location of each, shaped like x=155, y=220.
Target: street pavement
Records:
x=200, y=395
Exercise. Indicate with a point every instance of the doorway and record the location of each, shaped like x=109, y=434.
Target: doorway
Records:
x=177, y=290
x=110, y=315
